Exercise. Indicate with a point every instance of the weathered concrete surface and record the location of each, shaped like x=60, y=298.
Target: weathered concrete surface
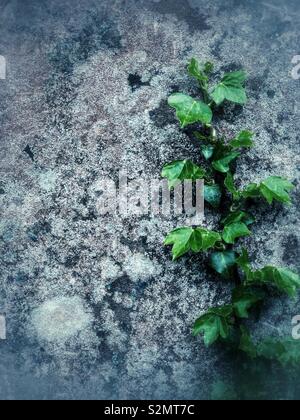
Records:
x=94, y=306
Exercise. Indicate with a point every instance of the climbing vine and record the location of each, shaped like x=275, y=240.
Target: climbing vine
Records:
x=250, y=287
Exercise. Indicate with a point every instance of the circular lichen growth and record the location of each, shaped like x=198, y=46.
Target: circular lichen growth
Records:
x=59, y=319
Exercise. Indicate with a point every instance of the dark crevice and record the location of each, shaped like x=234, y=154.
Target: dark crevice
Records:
x=183, y=11
x=135, y=82
x=163, y=115
x=29, y=152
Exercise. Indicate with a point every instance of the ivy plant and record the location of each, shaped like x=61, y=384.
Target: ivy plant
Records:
x=250, y=287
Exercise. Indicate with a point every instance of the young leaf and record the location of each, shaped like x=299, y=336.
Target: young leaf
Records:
x=244, y=298
x=222, y=165
x=188, y=239
x=195, y=71
x=213, y=195
x=246, y=343
x=180, y=170
x=244, y=139
x=229, y=184
x=189, y=110
x=214, y=324
x=285, y=280
x=208, y=67
x=238, y=216
x=223, y=262
x=231, y=88
x=235, y=230
x=276, y=188
x=207, y=151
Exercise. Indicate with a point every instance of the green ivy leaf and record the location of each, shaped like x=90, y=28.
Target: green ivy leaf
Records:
x=234, y=231
x=231, y=88
x=213, y=195
x=208, y=67
x=195, y=70
x=189, y=110
x=251, y=191
x=180, y=170
x=223, y=262
x=222, y=391
x=207, y=151
x=273, y=188
x=244, y=263
x=214, y=324
x=222, y=165
x=246, y=343
x=285, y=351
x=188, y=239
x=283, y=279
x=229, y=184
x=244, y=298
x=238, y=216
x=243, y=139
x=276, y=188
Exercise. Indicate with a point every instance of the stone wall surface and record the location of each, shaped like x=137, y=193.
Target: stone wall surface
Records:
x=94, y=306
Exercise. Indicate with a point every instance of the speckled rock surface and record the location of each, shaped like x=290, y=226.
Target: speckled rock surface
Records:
x=85, y=98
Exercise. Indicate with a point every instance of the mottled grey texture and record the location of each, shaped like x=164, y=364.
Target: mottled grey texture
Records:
x=85, y=97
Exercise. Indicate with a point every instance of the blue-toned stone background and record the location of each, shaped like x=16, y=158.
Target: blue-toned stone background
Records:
x=94, y=306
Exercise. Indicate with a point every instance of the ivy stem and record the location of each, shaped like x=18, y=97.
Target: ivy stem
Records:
x=204, y=89
x=235, y=207
x=213, y=133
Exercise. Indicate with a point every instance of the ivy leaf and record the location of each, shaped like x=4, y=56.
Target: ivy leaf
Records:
x=238, y=216
x=244, y=139
x=276, y=188
x=221, y=150
x=273, y=188
x=244, y=298
x=206, y=148
x=214, y=324
x=189, y=110
x=223, y=262
x=180, y=170
x=207, y=151
x=283, y=279
x=223, y=391
x=246, y=343
x=231, y=88
x=229, y=184
x=208, y=67
x=244, y=263
x=195, y=70
x=285, y=351
x=251, y=191
x=188, y=239
x=234, y=231
x=213, y=195
x=222, y=165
